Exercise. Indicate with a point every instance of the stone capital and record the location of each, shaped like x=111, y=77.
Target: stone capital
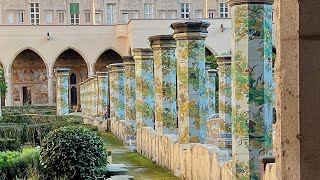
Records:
x=212, y=72
x=162, y=42
x=117, y=67
x=239, y=2
x=102, y=74
x=142, y=53
x=62, y=71
x=190, y=27
x=223, y=60
x=128, y=60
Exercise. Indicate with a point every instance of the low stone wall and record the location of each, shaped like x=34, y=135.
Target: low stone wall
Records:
x=270, y=172
x=96, y=121
x=121, y=129
x=190, y=161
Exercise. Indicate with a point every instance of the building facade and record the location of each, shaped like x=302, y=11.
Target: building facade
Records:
x=37, y=37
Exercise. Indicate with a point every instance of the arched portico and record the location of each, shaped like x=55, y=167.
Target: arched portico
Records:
x=72, y=59
x=29, y=79
x=107, y=57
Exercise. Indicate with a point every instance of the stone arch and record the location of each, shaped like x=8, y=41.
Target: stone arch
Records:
x=210, y=51
x=76, y=62
x=74, y=49
x=29, y=78
x=27, y=48
x=107, y=57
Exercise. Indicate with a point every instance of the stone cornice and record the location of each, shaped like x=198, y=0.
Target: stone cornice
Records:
x=162, y=42
x=127, y=60
x=223, y=59
x=239, y=2
x=190, y=27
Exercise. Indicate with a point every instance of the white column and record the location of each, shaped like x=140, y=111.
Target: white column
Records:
x=50, y=85
x=8, y=79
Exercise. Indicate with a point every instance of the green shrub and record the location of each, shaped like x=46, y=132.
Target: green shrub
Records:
x=10, y=145
x=74, y=152
x=17, y=165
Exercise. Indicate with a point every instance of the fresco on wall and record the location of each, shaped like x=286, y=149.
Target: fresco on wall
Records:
x=252, y=87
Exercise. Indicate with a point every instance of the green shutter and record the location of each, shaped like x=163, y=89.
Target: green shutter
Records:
x=74, y=8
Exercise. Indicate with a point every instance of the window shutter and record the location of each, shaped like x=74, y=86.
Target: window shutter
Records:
x=74, y=8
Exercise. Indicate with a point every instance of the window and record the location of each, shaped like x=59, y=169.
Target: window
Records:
x=20, y=17
x=74, y=13
x=198, y=14
x=135, y=15
x=162, y=15
x=224, y=10
x=49, y=17
x=34, y=13
x=10, y=17
x=125, y=17
x=98, y=17
x=61, y=17
x=87, y=17
x=172, y=14
x=148, y=10
x=185, y=9
x=211, y=14
x=111, y=13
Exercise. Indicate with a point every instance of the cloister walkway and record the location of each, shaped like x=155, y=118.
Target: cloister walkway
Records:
x=139, y=166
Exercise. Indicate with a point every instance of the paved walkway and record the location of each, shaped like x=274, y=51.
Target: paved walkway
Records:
x=139, y=166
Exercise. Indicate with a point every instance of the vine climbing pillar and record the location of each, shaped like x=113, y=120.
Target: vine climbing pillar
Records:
x=165, y=75
x=252, y=87
x=62, y=75
x=190, y=37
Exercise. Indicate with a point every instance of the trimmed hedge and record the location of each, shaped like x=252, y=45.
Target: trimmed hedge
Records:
x=33, y=129
x=15, y=165
x=73, y=152
x=10, y=145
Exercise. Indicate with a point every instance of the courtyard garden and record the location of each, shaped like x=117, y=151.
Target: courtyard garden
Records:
x=46, y=146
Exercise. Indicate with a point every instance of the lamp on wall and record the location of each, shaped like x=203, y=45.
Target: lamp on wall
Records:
x=48, y=36
x=222, y=28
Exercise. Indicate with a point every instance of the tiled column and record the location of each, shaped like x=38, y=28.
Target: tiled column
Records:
x=50, y=86
x=165, y=75
x=130, y=89
x=117, y=96
x=103, y=95
x=62, y=75
x=145, y=85
x=252, y=90
x=211, y=91
x=190, y=52
x=225, y=108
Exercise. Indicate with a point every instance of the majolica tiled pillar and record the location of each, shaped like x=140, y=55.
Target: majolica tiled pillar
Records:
x=117, y=90
x=103, y=94
x=210, y=94
x=130, y=89
x=252, y=89
x=62, y=75
x=145, y=85
x=190, y=52
x=165, y=75
x=111, y=91
x=225, y=97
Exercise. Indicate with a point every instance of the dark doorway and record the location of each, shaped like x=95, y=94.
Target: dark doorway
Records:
x=26, y=94
x=73, y=83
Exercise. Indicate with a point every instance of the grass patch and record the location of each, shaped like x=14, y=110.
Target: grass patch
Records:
x=111, y=142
